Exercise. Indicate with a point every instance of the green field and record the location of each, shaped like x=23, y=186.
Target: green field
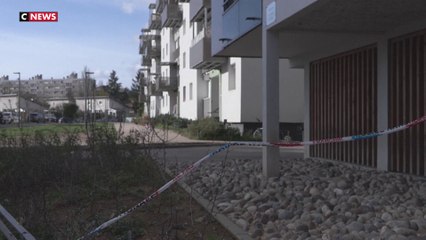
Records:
x=47, y=129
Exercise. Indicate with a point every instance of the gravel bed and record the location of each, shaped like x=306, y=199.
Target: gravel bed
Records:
x=314, y=199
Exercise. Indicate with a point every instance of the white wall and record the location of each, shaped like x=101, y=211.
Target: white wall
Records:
x=155, y=102
x=230, y=103
x=244, y=103
x=190, y=108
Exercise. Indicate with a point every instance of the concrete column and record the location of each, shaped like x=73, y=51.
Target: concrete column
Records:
x=382, y=104
x=270, y=102
x=306, y=119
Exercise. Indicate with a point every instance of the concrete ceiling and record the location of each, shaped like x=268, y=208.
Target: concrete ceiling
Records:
x=363, y=16
x=326, y=24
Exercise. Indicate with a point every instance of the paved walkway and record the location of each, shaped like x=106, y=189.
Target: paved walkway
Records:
x=159, y=135
x=170, y=136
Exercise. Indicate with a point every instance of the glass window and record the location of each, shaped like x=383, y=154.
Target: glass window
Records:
x=184, y=94
x=190, y=91
x=231, y=80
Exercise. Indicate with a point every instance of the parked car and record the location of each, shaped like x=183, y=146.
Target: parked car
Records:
x=36, y=117
x=49, y=117
x=7, y=117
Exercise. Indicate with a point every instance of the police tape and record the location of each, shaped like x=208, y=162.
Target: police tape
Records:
x=193, y=166
x=355, y=137
x=185, y=172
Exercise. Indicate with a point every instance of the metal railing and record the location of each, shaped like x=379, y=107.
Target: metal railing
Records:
x=18, y=228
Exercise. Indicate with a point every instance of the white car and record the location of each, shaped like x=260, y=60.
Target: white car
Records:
x=7, y=117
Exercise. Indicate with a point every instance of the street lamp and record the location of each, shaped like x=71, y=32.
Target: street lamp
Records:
x=86, y=93
x=19, y=98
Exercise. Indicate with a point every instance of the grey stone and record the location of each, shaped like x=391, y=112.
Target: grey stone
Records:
x=355, y=226
x=314, y=191
x=285, y=214
x=242, y=223
x=386, y=216
x=326, y=210
x=302, y=228
x=252, y=209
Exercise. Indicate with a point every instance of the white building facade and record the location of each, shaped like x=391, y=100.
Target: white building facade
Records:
x=191, y=83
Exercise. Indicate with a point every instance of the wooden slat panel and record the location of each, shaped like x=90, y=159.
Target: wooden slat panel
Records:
x=343, y=99
x=407, y=102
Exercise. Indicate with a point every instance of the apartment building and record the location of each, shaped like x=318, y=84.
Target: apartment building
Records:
x=185, y=79
x=46, y=88
x=363, y=63
x=234, y=89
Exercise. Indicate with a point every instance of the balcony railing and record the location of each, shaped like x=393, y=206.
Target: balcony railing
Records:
x=239, y=18
x=155, y=21
x=195, y=7
x=159, y=6
x=146, y=61
x=167, y=83
x=152, y=90
x=200, y=52
x=171, y=15
x=201, y=35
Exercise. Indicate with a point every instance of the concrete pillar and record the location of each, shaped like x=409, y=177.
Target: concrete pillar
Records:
x=382, y=104
x=270, y=102
x=306, y=120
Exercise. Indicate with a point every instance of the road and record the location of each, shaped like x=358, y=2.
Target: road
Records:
x=188, y=155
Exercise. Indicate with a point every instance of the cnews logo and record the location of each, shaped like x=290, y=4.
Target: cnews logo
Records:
x=38, y=16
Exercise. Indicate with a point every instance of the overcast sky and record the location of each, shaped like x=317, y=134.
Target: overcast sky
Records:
x=100, y=34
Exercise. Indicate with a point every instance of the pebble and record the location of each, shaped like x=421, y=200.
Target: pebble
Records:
x=315, y=199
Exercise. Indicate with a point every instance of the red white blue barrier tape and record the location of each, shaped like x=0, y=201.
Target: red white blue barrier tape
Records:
x=193, y=166
x=355, y=137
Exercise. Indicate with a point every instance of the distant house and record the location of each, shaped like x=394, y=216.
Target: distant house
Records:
x=98, y=104
x=9, y=103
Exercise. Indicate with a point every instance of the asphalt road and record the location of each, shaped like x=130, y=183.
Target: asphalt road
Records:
x=186, y=155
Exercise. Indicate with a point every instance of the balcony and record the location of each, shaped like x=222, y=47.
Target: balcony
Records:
x=240, y=17
x=159, y=4
x=155, y=21
x=171, y=15
x=146, y=61
x=201, y=54
x=151, y=50
x=196, y=7
x=152, y=90
x=167, y=83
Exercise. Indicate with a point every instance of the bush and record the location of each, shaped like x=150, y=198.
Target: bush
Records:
x=168, y=120
x=211, y=129
x=45, y=177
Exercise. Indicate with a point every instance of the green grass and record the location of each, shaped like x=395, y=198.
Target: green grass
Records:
x=48, y=129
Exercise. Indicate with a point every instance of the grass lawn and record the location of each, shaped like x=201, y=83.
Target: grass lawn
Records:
x=62, y=191
x=46, y=129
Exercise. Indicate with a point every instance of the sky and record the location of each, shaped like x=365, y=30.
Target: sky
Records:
x=100, y=34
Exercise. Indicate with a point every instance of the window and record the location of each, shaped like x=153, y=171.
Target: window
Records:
x=184, y=60
x=231, y=77
x=184, y=94
x=167, y=49
x=183, y=27
x=190, y=91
